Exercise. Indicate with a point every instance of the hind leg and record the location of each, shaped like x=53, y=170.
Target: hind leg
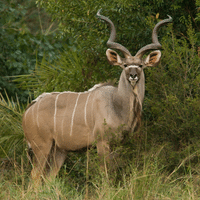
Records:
x=58, y=158
x=41, y=152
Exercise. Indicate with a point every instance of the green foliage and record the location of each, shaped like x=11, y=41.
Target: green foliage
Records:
x=198, y=8
x=21, y=45
x=77, y=19
x=67, y=73
x=172, y=104
x=27, y=33
x=198, y=20
x=11, y=136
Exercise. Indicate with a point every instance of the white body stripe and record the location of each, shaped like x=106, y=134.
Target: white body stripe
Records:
x=85, y=110
x=72, y=121
x=92, y=115
x=37, y=120
x=55, y=112
x=62, y=124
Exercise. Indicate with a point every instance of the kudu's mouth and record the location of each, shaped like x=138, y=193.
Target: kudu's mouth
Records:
x=133, y=74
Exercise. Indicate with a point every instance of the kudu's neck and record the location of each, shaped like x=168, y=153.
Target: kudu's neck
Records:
x=126, y=91
x=126, y=94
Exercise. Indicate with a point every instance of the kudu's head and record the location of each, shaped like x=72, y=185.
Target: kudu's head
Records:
x=133, y=65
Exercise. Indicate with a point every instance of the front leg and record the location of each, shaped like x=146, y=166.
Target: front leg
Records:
x=103, y=150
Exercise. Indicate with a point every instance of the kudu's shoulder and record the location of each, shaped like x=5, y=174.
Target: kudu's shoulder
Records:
x=36, y=100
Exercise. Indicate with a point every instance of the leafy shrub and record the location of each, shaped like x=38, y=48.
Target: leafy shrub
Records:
x=21, y=45
x=172, y=103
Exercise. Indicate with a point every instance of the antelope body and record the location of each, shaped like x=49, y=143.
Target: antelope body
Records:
x=72, y=121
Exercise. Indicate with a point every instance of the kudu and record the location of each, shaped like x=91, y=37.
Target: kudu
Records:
x=69, y=121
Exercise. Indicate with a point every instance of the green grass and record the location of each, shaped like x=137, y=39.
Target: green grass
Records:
x=147, y=180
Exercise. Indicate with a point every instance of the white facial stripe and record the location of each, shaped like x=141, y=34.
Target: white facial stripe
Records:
x=134, y=66
x=130, y=78
x=136, y=78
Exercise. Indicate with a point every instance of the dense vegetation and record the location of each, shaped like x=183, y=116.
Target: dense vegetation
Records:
x=60, y=45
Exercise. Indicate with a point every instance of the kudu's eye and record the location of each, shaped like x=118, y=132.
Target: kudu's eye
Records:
x=140, y=66
x=125, y=65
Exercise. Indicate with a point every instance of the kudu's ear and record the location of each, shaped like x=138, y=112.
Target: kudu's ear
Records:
x=113, y=57
x=153, y=59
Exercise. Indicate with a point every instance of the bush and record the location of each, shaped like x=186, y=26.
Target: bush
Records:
x=172, y=103
x=21, y=45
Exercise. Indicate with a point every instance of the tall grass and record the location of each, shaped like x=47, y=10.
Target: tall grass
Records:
x=11, y=134
x=149, y=180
